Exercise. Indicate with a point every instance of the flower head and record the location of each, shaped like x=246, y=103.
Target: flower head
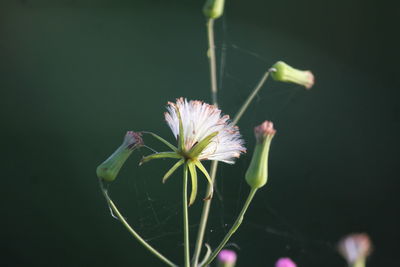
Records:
x=227, y=258
x=203, y=133
x=109, y=169
x=285, y=262
x=199, y=122
x=355, y=247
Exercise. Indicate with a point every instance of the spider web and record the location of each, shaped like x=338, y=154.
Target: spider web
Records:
x=159, y=220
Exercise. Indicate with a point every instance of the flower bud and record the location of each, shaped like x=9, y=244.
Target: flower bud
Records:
x=257, y=173
x=355, y=248
x=282, y=72
x=213, y=9
x=109, y=169
x=285, y=262
x=227, y=258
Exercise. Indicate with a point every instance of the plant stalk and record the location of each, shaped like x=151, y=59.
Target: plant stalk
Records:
x=212, y=61
x=185, y=217
x=121, y=218
x=234, y=227
x=250, y=98
x=214, y=164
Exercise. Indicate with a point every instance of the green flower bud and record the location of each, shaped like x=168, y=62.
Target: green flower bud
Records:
x=109, y=169
x=282, y=72
x=213, y=9
x=257, y=173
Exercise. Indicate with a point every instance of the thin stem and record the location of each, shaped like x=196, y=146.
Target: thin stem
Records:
x=359, y=263
x=204, y=216
x=233, y=229
x=214, y=164
x=185, y=217
x=212, y=61
x=250, y=97
x=121, y=218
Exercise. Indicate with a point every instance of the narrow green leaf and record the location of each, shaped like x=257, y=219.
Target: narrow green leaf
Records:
x=160, y=155
x=193, y=175
x=163, y=141
x=204, y=171
x=197, y=149
x=172, y=170
x=181, y=141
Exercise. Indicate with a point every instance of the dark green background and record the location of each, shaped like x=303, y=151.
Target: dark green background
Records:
x=75, y=75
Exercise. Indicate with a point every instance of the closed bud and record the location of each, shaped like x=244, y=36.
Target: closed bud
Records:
x=257, y=173
x=282, y=72
x=213, y=9
x=227, y=258
x=109, y=169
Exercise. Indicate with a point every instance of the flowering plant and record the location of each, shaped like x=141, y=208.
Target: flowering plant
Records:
x=203, y=133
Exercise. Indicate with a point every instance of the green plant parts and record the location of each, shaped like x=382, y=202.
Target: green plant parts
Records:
x=109, y=169
x=202, y=134
x=282, y=72
x=213, y=9
x=257, y=173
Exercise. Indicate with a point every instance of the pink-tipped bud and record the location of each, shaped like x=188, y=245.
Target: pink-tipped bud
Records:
x=132, y=140
x=227, y=258
x=355, y=247
x=264, y=130
x=257, y=173
x=109, y=169
x=285, y=262
x=282, y=72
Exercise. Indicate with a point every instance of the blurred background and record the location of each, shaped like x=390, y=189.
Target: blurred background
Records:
x=76, y=75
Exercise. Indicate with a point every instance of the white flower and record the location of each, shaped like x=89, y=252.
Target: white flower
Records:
x=202, y=134
x=200, y=120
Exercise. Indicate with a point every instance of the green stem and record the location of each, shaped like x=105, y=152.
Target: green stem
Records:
x=233, y=229
x=185, y=217
x=130, y=229
x=214, y=164
x=359, y=263
x=250, y=97
x=204, y=216
x=212, y=61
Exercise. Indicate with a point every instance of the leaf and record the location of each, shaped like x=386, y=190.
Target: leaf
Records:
x=193, y=176
x=204, y=171
x=199, y=147
x=163, y=141
x=181, y=140
x=172, y=170
x=160, y=155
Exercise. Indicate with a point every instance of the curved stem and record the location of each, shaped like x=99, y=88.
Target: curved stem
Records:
x=250, y=97
x=121, y=218
x=185, y=217
x=233, y=229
